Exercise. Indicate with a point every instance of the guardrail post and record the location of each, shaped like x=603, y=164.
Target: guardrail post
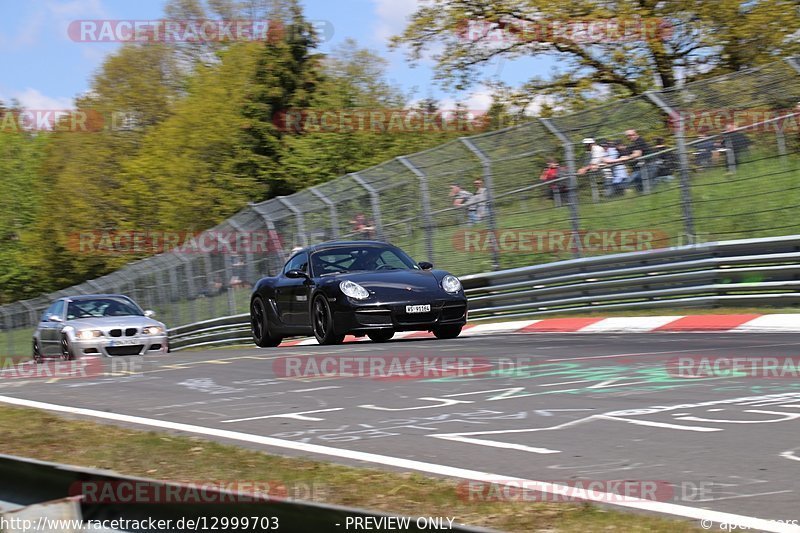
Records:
x=332, y=208
x=488, y=183
x=572, y=194
x=426, y=205
x=374, y=200
x=300, y=221
x=683, y=158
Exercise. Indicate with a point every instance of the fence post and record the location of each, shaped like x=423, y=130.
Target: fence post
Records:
x=210, y=278
x=300, y=221
x=683, y=158
x=332, y=208
x=192, y=296
x=487, y=181
x=572, y=194
x=375, y=200
x=9, y=336
x=426, y=205
x=270, y=224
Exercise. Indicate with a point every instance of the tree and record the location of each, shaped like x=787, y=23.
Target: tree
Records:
x=675, y=40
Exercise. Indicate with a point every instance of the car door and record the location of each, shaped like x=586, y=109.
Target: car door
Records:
x=286, y=288
x=299, y=292
x=49, y=331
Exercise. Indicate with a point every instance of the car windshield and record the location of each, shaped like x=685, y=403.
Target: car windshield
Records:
x=100, y=307
x=360, y=258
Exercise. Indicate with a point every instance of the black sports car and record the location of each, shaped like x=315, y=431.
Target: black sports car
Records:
x=360, y=288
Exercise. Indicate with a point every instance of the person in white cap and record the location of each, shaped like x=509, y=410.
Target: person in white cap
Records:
x=596, y=154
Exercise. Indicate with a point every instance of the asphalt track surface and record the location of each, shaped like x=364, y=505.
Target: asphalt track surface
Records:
x=576, y=407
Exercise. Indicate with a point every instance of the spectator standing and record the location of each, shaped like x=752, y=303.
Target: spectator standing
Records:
x=363, y=228
x=477, y=205
x=460, y=197
x=735, y=141
x=639, y=149
x=551, y=174
x=665, y=161
x=619, y=172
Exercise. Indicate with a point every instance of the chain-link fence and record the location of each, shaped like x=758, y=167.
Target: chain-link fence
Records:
x=722, y=161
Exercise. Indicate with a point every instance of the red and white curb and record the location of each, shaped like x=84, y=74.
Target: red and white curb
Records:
x=777, y=323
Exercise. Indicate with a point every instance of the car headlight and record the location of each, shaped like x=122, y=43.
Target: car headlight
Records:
x=354, y=290
x=153, y=330
x=86, y=334
x=451, y=284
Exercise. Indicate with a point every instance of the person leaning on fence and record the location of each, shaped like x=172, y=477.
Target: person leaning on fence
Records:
x=556, y=191
x=477, y=204
x=594, y=156
x=459, y=196
x=644, y=168
x=735, y=141
x=665, y=161
x=619, y=172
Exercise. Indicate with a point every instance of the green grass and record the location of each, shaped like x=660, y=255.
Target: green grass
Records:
x=43, y=436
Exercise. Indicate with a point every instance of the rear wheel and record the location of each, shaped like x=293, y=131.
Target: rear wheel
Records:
x=380, y=335
x=37, y=352
x=447, y=332
x=259, y=325
x=66, y=349
x=322, y=320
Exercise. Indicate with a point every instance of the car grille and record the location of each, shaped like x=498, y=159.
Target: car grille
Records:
x=129, y=332
x=125, y=350
x=417, y=318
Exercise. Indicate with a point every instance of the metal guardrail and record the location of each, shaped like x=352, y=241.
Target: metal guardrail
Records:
x=751, y=272
x=29, y=482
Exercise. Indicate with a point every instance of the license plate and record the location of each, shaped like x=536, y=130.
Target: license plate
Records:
x=418, y=309
x=123, y=342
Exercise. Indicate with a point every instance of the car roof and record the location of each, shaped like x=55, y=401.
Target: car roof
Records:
x=79, y=297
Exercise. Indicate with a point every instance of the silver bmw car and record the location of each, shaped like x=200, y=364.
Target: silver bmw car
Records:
x=98, y=324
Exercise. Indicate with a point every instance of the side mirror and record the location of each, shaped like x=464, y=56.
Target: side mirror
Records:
x=424, y=265
x=149, y=313
x=54, y=318
x=296, y=274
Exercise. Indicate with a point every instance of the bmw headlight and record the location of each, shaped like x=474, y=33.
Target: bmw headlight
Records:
x=354, y=290
x=153, y=330
x=86, y=334
x=451, y=284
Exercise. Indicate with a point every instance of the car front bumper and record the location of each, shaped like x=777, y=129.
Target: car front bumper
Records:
x=370, y=317
x=112, y=347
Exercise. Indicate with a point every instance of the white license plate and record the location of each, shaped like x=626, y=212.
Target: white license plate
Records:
x=123, y=342
x=418, y=309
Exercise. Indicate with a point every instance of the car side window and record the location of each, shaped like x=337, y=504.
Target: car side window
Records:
x=59, y=308
x=48, y=312
x=390, y=258
x=298, y=262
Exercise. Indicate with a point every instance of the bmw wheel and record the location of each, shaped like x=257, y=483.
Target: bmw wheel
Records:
x=447, y=332
x=259, y=325
x=322, y=320
x=37, y=352
x=66, y=349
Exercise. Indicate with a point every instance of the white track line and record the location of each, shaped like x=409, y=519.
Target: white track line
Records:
x=409, y=464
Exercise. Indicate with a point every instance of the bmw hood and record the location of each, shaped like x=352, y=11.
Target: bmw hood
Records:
x=106, y=322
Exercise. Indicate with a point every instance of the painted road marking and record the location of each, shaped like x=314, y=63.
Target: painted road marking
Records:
x=410, y=464
x=297, y=416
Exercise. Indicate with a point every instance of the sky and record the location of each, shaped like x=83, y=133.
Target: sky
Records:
x=43, y=68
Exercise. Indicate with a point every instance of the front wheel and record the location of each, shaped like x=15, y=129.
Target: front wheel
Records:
x=37, y=352
x=380, y=335
x=66, y=349
x=259, y=325
x=322, y=319
x=447, y=332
